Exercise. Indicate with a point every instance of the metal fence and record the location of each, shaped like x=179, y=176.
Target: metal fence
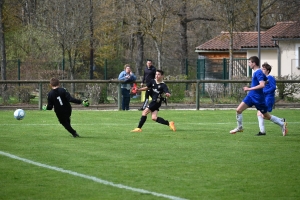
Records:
x=219, y=68
x=202, y=69
x=107, y=92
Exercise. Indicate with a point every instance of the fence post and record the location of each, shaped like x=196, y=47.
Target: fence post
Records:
x=119, y=96
x=40, y=95
x=197, y=96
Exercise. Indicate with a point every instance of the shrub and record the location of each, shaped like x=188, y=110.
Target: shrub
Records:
x=177, y=90
x=288, y=91
x=94, y=93
x=23, y=93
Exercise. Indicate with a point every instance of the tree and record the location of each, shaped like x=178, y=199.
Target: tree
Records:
x=91, y=40
x=67, y=22
x=182, y=13
x=2, y=47
x=229, y=14
x=152, y=17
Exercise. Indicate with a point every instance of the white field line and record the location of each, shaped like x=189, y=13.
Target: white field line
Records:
x=98, y=180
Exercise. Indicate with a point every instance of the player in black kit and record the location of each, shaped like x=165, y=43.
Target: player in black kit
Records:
x=156, y=88
x=60, y=99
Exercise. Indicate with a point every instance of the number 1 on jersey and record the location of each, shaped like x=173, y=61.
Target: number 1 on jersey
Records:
x=60, y=101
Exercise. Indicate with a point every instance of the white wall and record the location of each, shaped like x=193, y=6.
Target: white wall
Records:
x=289, y=51
x=267, y=55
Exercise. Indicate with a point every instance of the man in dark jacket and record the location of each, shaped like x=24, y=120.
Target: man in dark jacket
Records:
x=149, y=74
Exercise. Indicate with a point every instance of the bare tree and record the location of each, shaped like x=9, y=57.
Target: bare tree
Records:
x=140, y=48
x=2, y=43
x=182, y=13
x=68, y=23
x=91, y=40
x=166, y=30
x=150, y=19
x=229, y=15
x=3, y=53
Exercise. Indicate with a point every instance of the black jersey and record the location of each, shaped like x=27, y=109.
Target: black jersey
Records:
x=149, y=74
x=157, y=89
x=60, y=98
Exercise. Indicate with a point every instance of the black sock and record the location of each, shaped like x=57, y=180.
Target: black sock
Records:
x=142, y=121
x=162, y=121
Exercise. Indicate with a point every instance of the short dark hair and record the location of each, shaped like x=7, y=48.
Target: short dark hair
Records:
x=254, y=59
x=54, y=82
x=267, y=67
x=160, y=71
x=149, y=60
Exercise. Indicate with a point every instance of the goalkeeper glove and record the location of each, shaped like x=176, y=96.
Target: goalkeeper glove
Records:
x=86, y=103
x=44, y=107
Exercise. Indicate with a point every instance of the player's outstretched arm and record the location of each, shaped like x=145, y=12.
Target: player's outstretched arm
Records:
x=142, y=89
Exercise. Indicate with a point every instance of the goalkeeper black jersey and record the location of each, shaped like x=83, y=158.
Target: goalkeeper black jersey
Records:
x=60, y=99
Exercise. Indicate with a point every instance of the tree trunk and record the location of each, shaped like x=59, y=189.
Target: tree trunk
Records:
x=183, y=36
x=91, y=41
x=2, y=43
x=158, y=55
x=3, y=54
x=140, y=51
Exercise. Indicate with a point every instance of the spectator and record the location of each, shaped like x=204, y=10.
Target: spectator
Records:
x=128, y=77
x=149, y=74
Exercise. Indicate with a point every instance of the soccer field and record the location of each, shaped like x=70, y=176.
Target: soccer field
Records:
x=40, y=160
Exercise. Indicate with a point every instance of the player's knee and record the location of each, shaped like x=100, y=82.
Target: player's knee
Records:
x=154, y=118
x=238, y=111
x=260, y=114
x=267, y=116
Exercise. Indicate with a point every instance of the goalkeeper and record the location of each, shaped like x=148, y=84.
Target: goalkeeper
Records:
x=60, y=99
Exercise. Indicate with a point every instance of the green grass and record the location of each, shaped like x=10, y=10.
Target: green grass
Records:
x=201, y=160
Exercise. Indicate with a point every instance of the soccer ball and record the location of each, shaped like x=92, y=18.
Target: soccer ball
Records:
x=19, y=114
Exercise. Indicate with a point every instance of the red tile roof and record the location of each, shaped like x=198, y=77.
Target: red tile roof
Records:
x=221, y=42
x=292, y=31
x=286, y=30
x=281, y=28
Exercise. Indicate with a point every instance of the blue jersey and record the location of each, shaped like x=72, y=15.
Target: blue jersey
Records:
x=269, y=92
x=257, y=97
x=258, y=76
x=270, y=87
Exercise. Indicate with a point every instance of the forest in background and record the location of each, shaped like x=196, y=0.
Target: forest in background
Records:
x=126, y=31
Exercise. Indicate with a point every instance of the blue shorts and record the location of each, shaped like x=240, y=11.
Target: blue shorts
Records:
x=259, y=103
x=270, y=100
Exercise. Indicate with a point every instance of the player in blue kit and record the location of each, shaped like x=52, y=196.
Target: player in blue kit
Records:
x=269, y=92
x=156, y=88
x=256, y=97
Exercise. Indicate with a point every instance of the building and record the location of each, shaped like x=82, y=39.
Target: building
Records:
x=280, y=47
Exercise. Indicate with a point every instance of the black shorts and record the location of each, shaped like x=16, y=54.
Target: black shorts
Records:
x=63, y=117
x=153, y=106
